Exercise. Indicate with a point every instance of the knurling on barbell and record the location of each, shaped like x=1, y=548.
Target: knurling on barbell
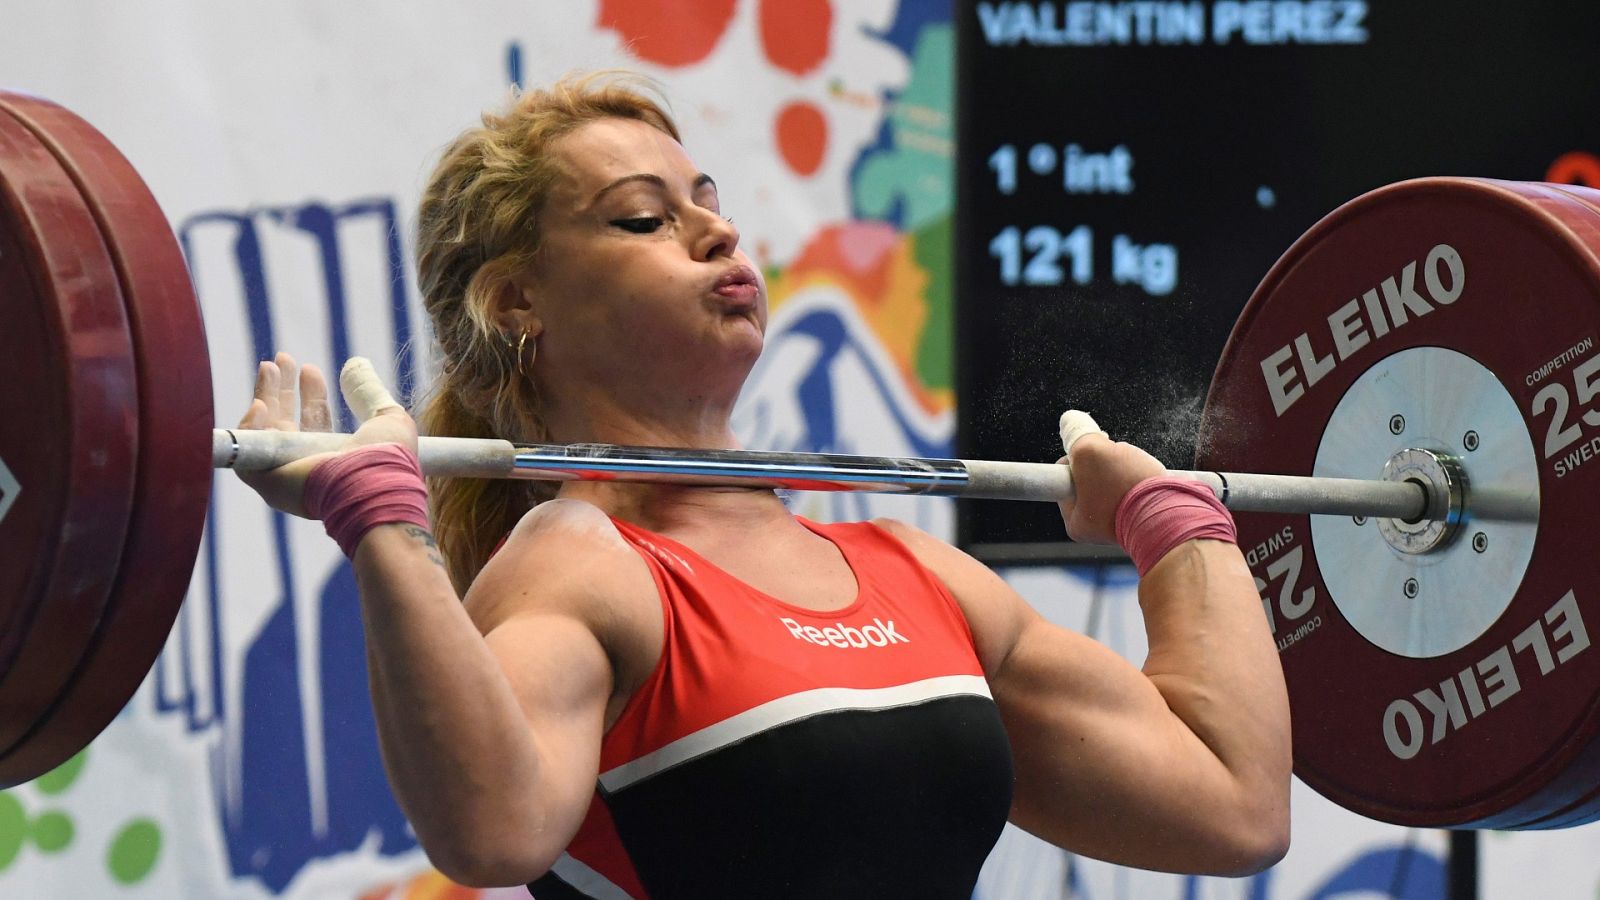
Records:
x=1413, y=499
x=1410, y=496
x=1431, y=342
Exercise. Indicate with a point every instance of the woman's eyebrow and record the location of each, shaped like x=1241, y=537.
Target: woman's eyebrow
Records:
x=700, y=181
x=627, y=179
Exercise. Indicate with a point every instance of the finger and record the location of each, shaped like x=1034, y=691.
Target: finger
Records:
x=316, y=413
x=288, y=392
x=255, y=416
x=1144, y=456
x=267, y=391
x=363, y=389
x=1075, y=426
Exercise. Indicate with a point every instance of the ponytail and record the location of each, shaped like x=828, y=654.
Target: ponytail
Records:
x=472, y=515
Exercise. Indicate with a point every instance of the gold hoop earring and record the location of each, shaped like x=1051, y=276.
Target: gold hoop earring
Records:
x=521, y=343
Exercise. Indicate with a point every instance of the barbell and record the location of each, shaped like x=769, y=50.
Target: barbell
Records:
x=1407, y=406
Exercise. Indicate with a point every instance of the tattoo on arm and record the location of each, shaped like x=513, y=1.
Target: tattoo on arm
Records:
x=422, y=536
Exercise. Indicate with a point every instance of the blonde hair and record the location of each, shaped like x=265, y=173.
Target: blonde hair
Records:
x=477, y=229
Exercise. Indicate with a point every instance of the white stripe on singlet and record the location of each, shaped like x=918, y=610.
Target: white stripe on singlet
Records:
x=587, y=880
x=789, y=709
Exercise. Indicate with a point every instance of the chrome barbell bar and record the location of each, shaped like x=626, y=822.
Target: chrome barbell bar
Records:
x=250, y=450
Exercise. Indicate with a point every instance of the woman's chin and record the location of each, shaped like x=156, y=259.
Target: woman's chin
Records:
x=747, y=333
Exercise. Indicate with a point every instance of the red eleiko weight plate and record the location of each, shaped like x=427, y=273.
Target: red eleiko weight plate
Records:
x=69, y=439
x=1586, y=195
x=173, y=482
x=1480, y=709
x=1581, y=780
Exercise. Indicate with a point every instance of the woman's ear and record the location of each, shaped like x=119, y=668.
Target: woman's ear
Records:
x=516, y=309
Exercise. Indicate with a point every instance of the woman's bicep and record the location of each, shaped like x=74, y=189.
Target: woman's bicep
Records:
x=562, y=679
x=563, y=606
x=1104, y=767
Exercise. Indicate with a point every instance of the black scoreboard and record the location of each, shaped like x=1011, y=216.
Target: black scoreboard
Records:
x=1126, y=172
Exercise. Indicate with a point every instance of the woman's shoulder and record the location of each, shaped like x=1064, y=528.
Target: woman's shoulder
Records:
x=889, y=534
x=577, y=523
x=563, y=555
x=961, y=573
x=920, y=543
x=995, y=613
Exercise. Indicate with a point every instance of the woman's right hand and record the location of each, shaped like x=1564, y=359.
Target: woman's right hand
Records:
x=290, y=397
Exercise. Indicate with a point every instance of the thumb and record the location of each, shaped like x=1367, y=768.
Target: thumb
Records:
x=383, y=419
x=1075, y=426
x=363, y=390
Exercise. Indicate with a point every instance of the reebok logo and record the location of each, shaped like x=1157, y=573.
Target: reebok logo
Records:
x=878, y=634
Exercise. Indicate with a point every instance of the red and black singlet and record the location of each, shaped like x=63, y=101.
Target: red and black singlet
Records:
x=777, y=751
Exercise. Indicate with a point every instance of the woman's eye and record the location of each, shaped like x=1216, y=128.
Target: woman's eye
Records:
x=639, y=224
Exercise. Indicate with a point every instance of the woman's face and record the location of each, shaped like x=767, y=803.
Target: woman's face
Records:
x=639, y=282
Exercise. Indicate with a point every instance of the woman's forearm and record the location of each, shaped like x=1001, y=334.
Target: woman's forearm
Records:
x=1212, y=658
x=455, y=742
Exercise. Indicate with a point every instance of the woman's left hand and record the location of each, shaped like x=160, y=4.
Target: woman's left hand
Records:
x=1103, y=471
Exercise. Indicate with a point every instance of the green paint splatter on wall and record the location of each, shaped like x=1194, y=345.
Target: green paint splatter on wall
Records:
x=134, y=851
x=935, y=359
x=61, y=777
x=130, y=858
x=916, y=175
x=51, y=831
x=914, y=178
x=13, y=829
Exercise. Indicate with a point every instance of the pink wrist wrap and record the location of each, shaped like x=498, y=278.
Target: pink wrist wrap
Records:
x=1158, y=514
x=365, y=487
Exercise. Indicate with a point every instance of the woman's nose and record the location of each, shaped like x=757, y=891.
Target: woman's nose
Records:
x=719, y=239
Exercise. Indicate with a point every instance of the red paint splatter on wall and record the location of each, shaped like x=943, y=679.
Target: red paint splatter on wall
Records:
x=794, y=33
x=1576, y=167
x=860, y=254
x=668, y=32
x=802, y=135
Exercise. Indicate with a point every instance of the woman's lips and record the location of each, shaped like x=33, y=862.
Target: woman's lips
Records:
x=739, y=285
x=742, y=293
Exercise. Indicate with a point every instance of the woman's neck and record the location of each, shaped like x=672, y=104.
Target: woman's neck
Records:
x=689, y=422
x=681, y=509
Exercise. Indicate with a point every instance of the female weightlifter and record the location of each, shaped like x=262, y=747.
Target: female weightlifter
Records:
x=618, y=690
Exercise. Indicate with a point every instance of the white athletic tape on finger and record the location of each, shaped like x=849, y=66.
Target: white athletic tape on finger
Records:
x=363, y=389
x=1075, y=424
